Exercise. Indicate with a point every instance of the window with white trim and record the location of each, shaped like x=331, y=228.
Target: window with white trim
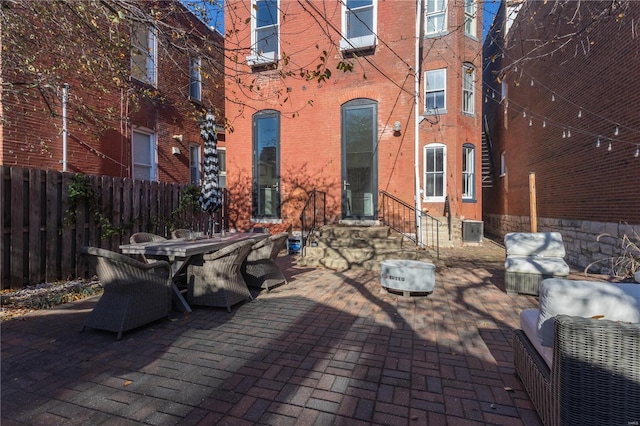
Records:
x=358, y=24
x=436, y=17
x=195, y=82
x=468, y=172
x=222, y=163
x=434, y=172
x=194, y=164
x=503, y=163
x=144, y=155
x=470, y=17
x=435, y=99
x=468, y=88
x=143, y=53
x=265, y=40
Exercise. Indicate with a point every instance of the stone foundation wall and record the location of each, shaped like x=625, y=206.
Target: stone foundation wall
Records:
x=585, y=241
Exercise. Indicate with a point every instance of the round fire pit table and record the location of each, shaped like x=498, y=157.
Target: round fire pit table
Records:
x=407, y=276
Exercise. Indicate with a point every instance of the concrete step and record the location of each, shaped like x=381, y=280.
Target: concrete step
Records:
x=345, y=231
x=391, y=242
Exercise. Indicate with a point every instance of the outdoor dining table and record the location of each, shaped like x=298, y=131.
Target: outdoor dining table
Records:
x=180, y=250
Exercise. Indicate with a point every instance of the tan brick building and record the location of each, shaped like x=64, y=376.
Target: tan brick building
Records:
x=566, y=113
x=108, y=92
x=352, y=133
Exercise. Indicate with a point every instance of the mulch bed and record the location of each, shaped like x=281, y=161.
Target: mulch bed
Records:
x=15, y=303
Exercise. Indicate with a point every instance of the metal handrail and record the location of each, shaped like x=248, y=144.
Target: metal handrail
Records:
x=401, y=217
x=313, y=215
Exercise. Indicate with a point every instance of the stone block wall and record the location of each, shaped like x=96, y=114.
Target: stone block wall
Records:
x=585, y=241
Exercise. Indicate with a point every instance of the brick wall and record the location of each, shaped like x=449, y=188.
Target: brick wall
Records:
x=99, y=140
x=585, y=88
x=311, y=110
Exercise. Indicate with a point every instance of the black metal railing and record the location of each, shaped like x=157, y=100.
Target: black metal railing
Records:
x=313, y=215
x=401, y=217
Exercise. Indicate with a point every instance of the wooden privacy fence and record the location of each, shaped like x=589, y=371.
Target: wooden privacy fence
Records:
x=47, y=216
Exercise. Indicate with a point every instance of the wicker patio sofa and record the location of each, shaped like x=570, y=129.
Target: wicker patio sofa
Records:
x=135, y=293
x=531, y=258
x=577, y=369
x=215, y=279
x=259, y=269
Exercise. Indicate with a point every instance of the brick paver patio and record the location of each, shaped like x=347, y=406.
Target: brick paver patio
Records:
x=328, y=348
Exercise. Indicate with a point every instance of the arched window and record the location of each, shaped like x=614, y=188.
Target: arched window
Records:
x=266, y=165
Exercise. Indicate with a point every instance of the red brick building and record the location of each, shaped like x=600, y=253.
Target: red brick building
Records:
x=565, y=112
x=108, y=91
x=320, y=95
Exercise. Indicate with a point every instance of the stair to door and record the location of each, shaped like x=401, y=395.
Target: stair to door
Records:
x=342, y=247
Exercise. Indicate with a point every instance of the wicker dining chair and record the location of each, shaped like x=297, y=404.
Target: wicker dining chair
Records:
x=135, y=293
x=215, y=279
x=260, y=269
x=147, y=237
x=180, y=233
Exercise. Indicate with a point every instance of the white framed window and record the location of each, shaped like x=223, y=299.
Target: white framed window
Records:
x=143, y=145
x=435, y=99
x=468, y=172
x=470, y=17
x=195, y=166
x=468, y=88
x=195, y=82
x=359, y=20
x=265, y=28
x=143, y=53
x=503, y=164
x=435, y=172
x=222, y=162
x=436, y=17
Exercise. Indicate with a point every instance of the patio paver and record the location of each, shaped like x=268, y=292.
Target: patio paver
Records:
x=328, y=348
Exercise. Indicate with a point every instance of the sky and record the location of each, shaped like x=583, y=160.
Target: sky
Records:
x=490, y=9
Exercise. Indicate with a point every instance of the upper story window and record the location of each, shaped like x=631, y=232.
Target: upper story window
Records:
x=143, y=53
x=468, y=88
x=265, y=41
x=435, y=91
x=436, y=21
x=470, y=17
x=468, y=172
x=503, y=163
x=435, y=172
x=358, y=24
x=195, y=82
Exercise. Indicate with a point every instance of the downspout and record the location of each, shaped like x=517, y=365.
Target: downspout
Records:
x=65, y=99
x=416, y=115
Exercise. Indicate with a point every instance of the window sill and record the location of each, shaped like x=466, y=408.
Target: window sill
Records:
x=195, y=100
x=433, y=113
x=263, y=220
x=436, y=35
x=471, y=36
x=147, y=83
x=469, y=200
x=358, y=43
x=262, y=59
